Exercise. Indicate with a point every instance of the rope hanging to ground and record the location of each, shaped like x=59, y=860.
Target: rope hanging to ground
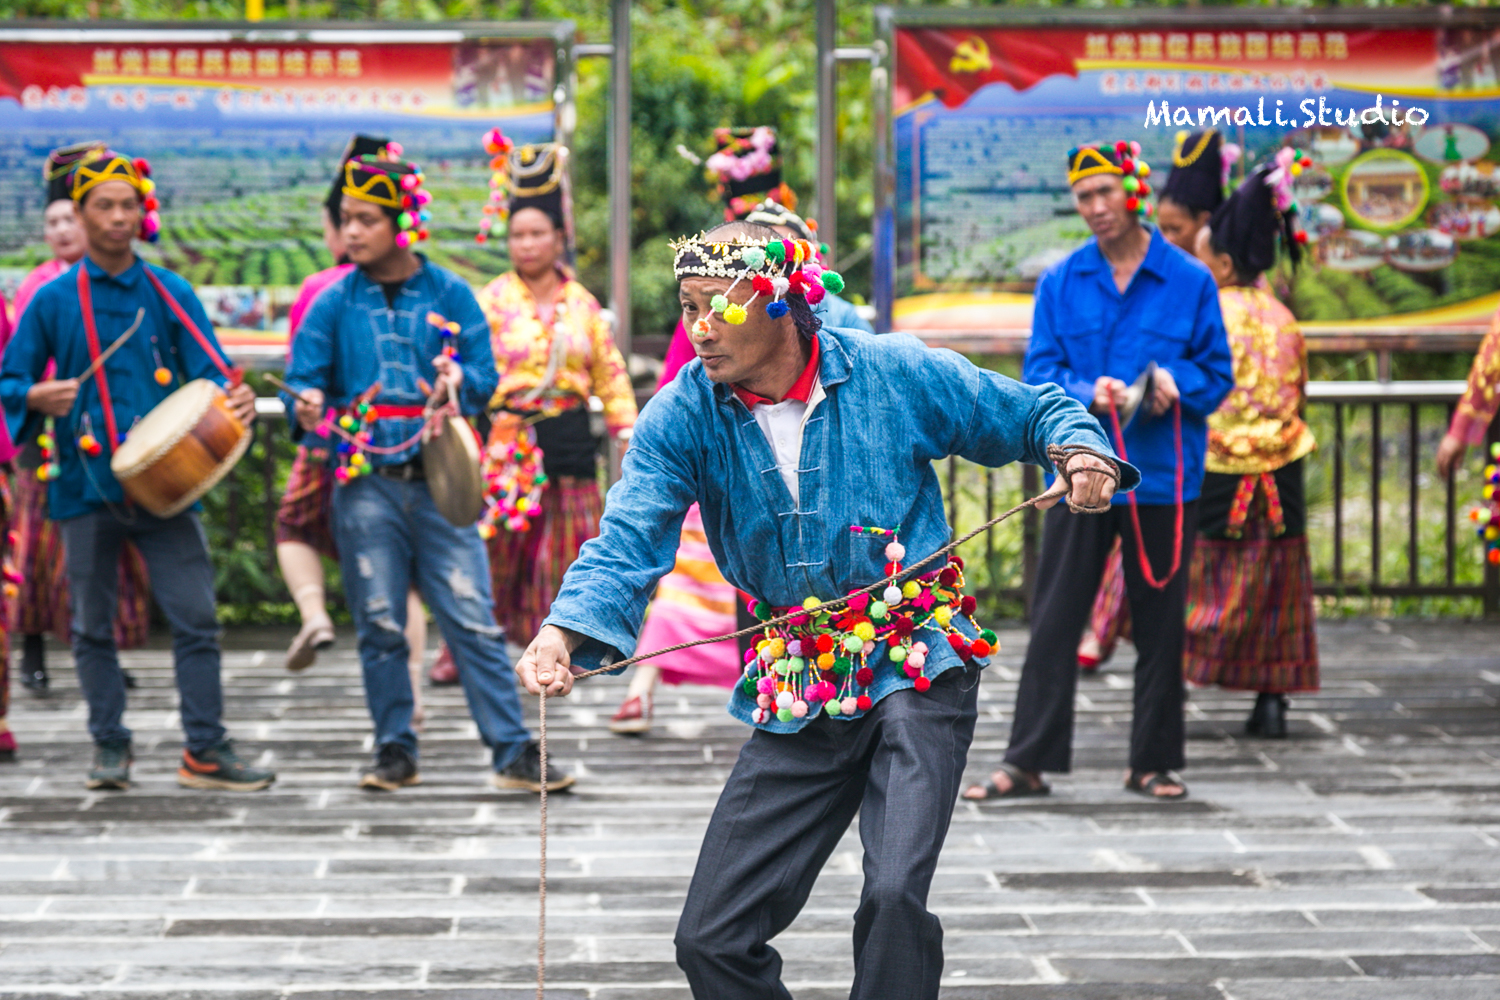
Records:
x=1058, y=455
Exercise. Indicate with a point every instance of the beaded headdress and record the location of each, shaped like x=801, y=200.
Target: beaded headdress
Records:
x=90, y=171
x=775, y=269
x=747, y=166
x=1123, y=159
x=57, y=172
x=1200, y=169
x=529, y=176
x=395, y=187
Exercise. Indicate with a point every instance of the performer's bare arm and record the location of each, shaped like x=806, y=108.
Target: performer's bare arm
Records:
x=549, y=660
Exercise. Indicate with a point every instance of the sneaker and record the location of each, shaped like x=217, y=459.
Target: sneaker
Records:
x=221, y=769
x=303, y=652
x=394, y=768
x=111, y=768
x=526, y=772
x=444, y=671
x=634, y=716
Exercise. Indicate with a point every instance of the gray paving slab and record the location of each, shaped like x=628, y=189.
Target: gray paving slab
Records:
x=1359, y=858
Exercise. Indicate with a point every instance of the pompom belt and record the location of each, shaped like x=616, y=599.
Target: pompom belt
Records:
x=822, y=662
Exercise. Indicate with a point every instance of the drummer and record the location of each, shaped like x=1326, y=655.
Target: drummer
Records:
x=368, y=347
x=73, y=319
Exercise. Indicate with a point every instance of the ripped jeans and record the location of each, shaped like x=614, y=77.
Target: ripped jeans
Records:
x=390, y=536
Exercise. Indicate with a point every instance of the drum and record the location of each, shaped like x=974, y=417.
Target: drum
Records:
x=450, y=461
x=181, y=449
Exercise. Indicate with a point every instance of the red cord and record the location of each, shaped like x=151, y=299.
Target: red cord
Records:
x=91, y=332
x=1135, y=514
x=233, y=374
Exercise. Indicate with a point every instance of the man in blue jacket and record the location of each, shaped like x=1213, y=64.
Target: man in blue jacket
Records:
x=788, y=436
x=1123, y=300
x=72, y=319
x=361, y=362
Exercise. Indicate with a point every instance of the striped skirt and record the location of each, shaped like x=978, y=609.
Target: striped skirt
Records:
x=1110, y=619
x=42, y=605
x=693, y=601
x=527, y=567
x=307, y=503
x=1250, y=613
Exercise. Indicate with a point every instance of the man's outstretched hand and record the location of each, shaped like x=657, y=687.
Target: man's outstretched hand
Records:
x=548, y=661
x=1090, y=488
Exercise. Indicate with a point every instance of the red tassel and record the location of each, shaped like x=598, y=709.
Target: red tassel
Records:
x=967, y=604
x=922, y=684
x=864, y=703
x=864, y=676
x=762, y=284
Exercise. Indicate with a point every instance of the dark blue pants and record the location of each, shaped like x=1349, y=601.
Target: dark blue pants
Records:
x=783, y=811
x=182, y=581
x=390, y=535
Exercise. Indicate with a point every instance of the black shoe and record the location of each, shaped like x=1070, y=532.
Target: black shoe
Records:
x=130, y=681
x=394, y=768
x=220, y=769
x=1268, y=719
x=526, y=772
x=111, y=768
x=34, y=665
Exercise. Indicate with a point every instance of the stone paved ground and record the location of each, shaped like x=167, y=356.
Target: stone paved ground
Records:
x=1358, y=860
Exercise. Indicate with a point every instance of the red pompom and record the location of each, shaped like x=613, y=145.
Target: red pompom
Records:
x=762, y=284
x=1144, y=190
x=892, y=568
x=967, y=604
x=797, y=282
x=1132, y=203
x=1121, y=146
x=981, y=648
x=1127, y=165
x=922, y=684
x=904, y=626
x=151, y=204
x=825, y=643
x=948, y=577
x=481, y=238
x=894, y=639
x=864, y=676
x=956, y=561
x=142, y=167
x=957, y=642
x=864, y=703
x=1301, y=236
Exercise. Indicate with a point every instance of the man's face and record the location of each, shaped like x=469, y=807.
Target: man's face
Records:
x=730, y=353
x=1101, y=201
x=111, y=216
x=62, y=230
x=369, y=234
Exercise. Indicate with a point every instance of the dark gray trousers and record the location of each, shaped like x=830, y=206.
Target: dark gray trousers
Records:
x=784, y=809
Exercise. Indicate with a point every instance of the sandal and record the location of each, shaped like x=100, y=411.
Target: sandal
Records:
x=1148, y=787
x=1021, y=786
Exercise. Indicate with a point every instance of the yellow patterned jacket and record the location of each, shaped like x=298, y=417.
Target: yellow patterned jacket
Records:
x=555, y=369
x=1482, y=398
x=1258, y=427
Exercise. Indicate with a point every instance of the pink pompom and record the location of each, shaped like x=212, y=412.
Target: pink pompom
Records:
x=799, y=709
x=849, y=705
x=764, y=700
x=765, y=685
x=403, y=239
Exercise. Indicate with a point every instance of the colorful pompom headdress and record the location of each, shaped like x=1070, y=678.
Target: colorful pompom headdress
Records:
x=1260, y=209
x=359, y=145
x=58, y=173
x=747, y=167
x=90, y=171
x=1123, y=160
x=775, y=269
x=530, y=176
x=395, y=187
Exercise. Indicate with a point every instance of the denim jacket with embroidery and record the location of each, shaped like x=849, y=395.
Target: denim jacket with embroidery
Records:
x=888, y=408
x=350, y=339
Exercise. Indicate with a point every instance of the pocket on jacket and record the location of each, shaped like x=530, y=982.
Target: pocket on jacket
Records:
x=1163, y=344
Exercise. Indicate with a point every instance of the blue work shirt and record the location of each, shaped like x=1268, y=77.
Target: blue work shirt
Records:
x=840, y=313
x=52, y=327
x=351, y=339
x=889, y=408
x=1083, y=328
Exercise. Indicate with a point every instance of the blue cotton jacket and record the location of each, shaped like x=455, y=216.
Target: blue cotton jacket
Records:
x=891, y=407
x=52, y=327
x=839, y=312
x=1084, y=328
x=350, y=339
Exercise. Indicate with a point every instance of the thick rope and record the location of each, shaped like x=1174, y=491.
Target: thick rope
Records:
x=1135, y=514
x=1059, y=455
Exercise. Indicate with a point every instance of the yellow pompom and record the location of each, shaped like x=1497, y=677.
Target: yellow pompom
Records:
x=735, y=314
x=1487, y=492
x=778, y=648
x=1296, y=170
x=943, y=614
x=911, y=590
x=811, y=603
x=358, y=461
x=865, y=631
x=1143, y=169
x=486, y=531
x=1492, y=532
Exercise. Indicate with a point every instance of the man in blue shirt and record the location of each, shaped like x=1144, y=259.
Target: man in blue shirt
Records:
x=787, y=436
x=70, y=320
x=1125, y=299
x=375, y=339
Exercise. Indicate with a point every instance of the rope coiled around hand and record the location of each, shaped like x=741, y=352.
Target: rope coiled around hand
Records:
x=1058, y=455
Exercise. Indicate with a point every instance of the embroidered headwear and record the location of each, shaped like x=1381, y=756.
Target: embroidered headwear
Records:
x=1246, y=226
x=91, y=171
x=57, y=172
x=770, y=213
x=1200, y=169
x=530, y=176
x=775, y=268
x=395, y=187
x=1123, y=160
x=359, y=145
x=747, y=167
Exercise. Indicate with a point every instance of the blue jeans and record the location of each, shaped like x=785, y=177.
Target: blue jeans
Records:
x=182, y=581
x=390, y=535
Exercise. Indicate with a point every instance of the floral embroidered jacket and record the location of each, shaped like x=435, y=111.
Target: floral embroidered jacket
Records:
x=884, y=409
x=1258, y=428
x=1477, y=406
x=578, y=346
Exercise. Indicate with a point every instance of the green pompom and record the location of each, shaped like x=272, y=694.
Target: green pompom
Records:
x=762, y=611
x=750, y=687
x=782, y=666
x=989, y=636
x=842, y=665
x=878, y=610
x=754, y=257
x=833, y=707
x=785, y=715
x=776, y=251
x=823, y=249
x=833, y=281
x=719, y=303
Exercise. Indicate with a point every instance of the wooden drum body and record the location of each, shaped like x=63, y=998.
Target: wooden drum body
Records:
x=181, y=449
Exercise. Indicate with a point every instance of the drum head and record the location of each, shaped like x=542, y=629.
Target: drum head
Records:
x=163, y=427
x=451, y=461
